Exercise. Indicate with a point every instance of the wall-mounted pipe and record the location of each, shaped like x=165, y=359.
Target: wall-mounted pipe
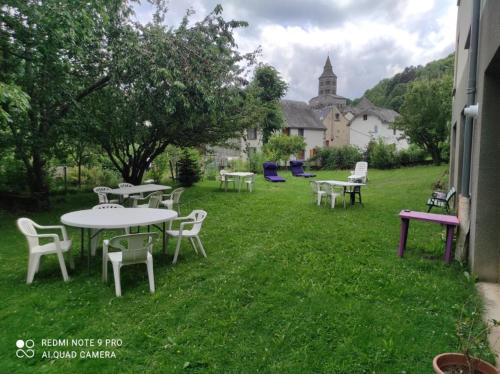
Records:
x=471, y=97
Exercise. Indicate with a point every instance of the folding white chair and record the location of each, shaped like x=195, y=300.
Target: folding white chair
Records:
x=36, y=250
x=317, y=191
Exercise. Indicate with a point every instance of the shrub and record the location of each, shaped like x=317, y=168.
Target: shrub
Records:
x=411, y=156
x=255, y=161
x=237, y=164
x=344, y=157
x=189, y=168
x=381, y=155
x=211, y=169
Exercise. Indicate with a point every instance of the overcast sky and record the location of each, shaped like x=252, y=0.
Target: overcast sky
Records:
x=367, y=40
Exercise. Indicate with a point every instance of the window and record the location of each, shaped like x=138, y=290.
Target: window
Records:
x=365, y=117
x=301, y=132
x=394, y=132
x=375, y=129
x=327, y=91
x=312, y=152
x=252, y=134
x=300, y=155
x=286, y=131
x=337, y=116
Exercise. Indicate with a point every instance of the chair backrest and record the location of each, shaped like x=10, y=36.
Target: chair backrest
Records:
x=107, y=206
x=199, y=216
x=134, y=247
x=250, y=178
x=103, y=198
x=361, y=168
x=270, y=169
x=176, y=194
x=27, y=228
x=297, y=167
x=315, y=186
x=125, y=184
x=450, y=194
x=101, y=189
x=154, y=200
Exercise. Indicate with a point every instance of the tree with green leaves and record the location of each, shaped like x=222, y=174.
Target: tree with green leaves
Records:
x=263, y=105
x=426, y=113
x=57, y=53
x=179, y=86
x=280, y=147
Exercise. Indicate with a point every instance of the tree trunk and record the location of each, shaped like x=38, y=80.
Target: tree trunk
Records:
x=79, y=174
x=38, y=185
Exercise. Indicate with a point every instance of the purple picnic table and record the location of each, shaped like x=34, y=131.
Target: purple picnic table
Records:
x=450, y=221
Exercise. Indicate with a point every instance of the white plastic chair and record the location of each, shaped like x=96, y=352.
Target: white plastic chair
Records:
x=317, y=191
x=134, y=249
x=173, y=198
x=37, y=250
x=93, y=232
x=250, y=182
x=153, y=199
x=360, y=173
x=332, y=193
x=195, y=220
x=102, y=195
x=225, y=180
x=124, y=185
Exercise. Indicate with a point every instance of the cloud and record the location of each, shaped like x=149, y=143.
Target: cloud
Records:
x=367, y=40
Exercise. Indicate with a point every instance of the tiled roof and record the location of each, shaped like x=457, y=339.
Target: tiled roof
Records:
x=299, y=114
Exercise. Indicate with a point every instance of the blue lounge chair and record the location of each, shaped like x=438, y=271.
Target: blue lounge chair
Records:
x=297, y=168
x=270, y=172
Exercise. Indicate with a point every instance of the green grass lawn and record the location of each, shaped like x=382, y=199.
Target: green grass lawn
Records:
x=287, y=287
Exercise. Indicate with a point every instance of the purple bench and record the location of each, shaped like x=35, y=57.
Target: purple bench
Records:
x=450, y=221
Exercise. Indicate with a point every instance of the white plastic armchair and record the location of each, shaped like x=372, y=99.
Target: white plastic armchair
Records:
x=102, y=195
x=124, y=185
x=250, y=182
x=95, y=232
x=133, y=249
x=58, y=246
x=317, y=191
x=225, y=180
x=153, y=200
x=332, y=192
x=190, y=227
x=172, y=199
x=360, y=173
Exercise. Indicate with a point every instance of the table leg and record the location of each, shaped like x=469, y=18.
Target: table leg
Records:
x=89, y=245
x=449, y=243
x=82, y=234
x=403, y=236
x=163, y=246
x=239, y=183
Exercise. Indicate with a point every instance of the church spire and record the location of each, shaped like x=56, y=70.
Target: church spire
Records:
x=327, y=80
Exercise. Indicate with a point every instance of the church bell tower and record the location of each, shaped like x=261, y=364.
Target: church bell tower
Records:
x=327, y=80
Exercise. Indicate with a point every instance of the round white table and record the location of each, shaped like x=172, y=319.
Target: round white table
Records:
x=104, y=219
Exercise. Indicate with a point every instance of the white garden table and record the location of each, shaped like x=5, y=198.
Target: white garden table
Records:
x=107, y=219
x=137, y=190
x=348, y=188
x=239, y=175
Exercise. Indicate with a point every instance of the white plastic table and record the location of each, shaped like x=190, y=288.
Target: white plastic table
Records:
x=103, y=219
x=135, y=190
x=346, y=185
x=239, y=175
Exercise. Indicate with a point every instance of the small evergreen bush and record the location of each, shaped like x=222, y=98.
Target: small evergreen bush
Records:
x=189, y=168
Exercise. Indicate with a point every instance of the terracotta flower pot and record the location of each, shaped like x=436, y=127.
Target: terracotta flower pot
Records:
x=446, y=360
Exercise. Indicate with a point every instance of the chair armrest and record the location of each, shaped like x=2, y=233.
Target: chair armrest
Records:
x=54, y=227
x=57, y=241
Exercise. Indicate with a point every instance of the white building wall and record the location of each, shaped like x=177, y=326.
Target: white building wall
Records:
x=362, y=131
x=314, y=139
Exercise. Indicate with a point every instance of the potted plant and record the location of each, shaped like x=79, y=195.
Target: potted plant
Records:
x=470, y=337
